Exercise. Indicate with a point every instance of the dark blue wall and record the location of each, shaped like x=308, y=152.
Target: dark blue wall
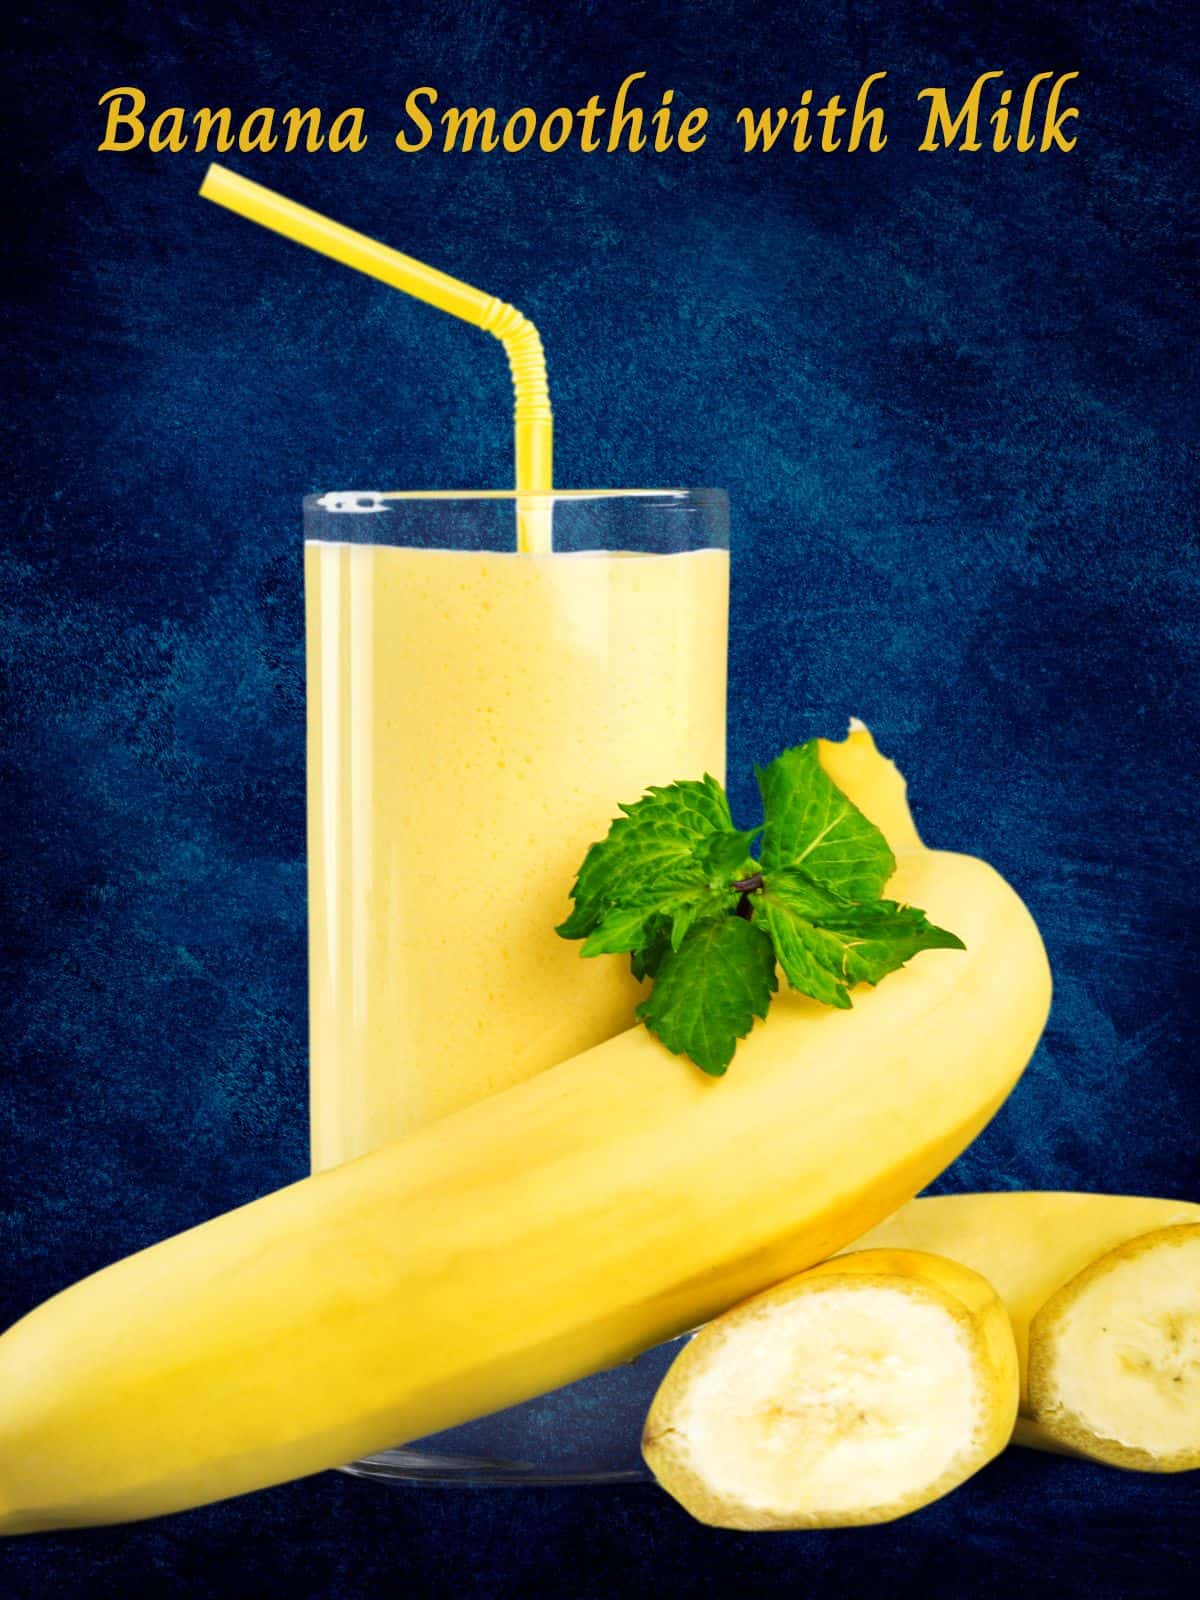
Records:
x=952, y=399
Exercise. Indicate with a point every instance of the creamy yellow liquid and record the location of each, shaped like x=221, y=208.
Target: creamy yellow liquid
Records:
x=473, y=722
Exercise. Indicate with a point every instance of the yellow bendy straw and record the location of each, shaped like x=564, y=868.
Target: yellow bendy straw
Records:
x=534, y=423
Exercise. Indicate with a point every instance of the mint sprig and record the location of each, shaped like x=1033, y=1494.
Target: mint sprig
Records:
x=677, y=887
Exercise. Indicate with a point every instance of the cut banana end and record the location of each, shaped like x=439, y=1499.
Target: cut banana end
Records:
x=1114, y=1357
x=851, y=1394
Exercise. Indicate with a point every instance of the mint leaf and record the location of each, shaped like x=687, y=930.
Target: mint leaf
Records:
x=649, y=852
x=644, y=963
x=809, y=823
x=727, y=854
x=707, y=993
x=622, y=929
x=714, y=899
x=810, y=960
x=882, y=936
x=826, y=943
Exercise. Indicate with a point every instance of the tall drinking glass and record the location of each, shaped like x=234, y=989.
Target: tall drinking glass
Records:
x=475, y=715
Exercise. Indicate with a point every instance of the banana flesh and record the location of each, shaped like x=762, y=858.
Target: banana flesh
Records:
x=1115, y=1356
x=852, y=1394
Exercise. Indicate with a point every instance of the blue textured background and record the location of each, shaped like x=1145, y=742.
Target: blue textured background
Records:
x=952, y=399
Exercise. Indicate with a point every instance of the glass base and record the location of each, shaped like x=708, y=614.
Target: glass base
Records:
x=589, y=1432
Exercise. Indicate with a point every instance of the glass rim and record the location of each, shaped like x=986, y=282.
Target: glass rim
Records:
x=362, y=500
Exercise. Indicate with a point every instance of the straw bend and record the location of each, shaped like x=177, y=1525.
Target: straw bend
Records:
x=526, y=357
x=532, y=417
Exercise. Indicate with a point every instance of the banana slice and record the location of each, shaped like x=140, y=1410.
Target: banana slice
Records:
x=1114, y=1356
x=854, y=1393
